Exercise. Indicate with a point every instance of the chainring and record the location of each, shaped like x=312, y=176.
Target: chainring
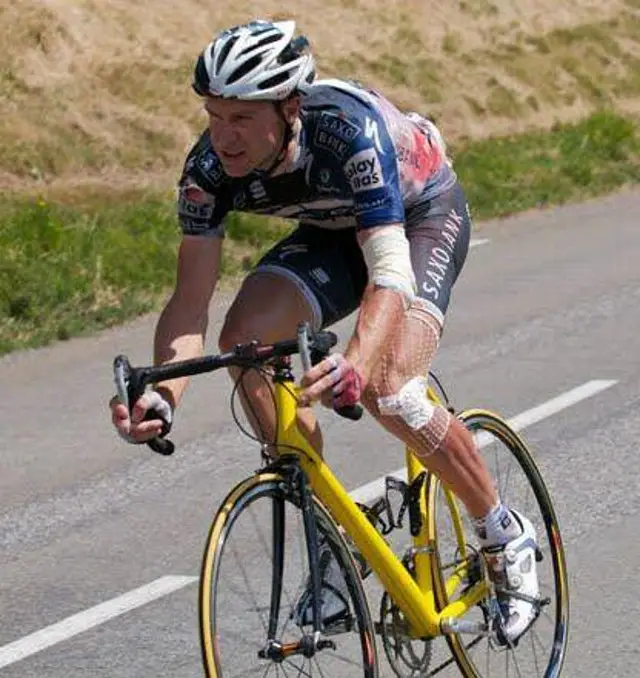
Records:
x=408, y=657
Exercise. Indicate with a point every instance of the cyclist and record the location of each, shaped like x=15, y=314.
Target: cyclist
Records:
x=383, y=228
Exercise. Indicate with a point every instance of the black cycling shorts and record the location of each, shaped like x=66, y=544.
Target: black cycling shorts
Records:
x=328, y=267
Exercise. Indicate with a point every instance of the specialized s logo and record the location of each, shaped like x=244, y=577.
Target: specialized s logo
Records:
x=363, y=171
x=371, y=132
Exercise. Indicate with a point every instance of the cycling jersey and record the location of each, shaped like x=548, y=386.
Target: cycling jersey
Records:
x=359, y=162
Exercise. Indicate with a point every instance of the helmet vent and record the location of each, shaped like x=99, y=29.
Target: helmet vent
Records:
x=274, y=80
x=246, y=67
x=225, y=51
x=265, y=41
x=294, y=50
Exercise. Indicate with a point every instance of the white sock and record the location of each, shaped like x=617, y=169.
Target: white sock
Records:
x=498, y=527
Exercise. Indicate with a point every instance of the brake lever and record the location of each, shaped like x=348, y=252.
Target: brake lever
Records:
x=303, y=346
x=310, y=356
x=128, y=393
x=121, y=374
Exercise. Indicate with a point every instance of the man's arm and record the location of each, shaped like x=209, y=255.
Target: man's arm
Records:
x=182, y=325
x=391, y=287
x=385, y=299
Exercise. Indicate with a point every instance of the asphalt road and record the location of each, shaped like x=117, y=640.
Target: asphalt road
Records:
x=549, y=303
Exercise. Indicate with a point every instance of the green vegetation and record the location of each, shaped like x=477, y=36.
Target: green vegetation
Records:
x=572, y=162
x=66, y=270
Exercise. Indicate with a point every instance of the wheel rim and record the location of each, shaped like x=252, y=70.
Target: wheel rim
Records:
x=238, y=598
x=540, y=651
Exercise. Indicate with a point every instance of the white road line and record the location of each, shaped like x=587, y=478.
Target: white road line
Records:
x=369, y=492
x=94, y=616
x=77, y=623
x=475, y=242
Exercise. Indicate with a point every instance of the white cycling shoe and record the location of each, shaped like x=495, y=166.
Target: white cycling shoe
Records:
x=512, y=569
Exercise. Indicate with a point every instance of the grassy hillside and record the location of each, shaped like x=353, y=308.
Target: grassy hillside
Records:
x=98, y=90
x=96, y=114
x=69, y=269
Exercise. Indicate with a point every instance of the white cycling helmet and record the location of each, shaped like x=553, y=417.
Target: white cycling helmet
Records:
x=258, y=60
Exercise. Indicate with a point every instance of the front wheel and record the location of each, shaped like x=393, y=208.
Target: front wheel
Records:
x=254, y=573
x=541, y=650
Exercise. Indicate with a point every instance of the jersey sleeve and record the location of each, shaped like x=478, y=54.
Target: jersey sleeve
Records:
x=201, y=204
x=371, y=170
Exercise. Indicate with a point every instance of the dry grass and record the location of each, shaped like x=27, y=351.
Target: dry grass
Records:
x=98, y=90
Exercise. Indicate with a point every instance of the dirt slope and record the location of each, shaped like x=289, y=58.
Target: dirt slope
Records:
x=98, y=90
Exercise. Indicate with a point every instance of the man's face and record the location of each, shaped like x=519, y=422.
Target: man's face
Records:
x=246, y=135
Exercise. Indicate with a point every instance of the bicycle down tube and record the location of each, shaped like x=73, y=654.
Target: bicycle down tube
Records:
x=415, y=599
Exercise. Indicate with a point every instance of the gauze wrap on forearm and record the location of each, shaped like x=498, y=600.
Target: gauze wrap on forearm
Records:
x=387, y=255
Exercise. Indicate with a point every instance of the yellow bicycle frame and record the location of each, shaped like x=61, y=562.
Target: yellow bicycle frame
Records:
x=415, y=597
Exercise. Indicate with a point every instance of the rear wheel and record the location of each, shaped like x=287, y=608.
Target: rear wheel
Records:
x=541, y=650
x=254, y=572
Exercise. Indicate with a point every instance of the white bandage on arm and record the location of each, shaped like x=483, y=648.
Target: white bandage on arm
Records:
x=386, y=253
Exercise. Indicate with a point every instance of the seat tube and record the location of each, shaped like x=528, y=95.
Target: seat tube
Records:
x=421, y=544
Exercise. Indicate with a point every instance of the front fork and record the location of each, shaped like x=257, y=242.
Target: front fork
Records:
x=309, y=643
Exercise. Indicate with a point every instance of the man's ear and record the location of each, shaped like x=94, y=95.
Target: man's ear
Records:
x=290, y=108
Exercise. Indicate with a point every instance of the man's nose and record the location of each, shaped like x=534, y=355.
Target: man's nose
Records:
x=222, y=134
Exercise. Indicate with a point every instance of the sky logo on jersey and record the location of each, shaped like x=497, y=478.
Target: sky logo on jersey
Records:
x=363, y=171
x=195, y=203
x=195, y=208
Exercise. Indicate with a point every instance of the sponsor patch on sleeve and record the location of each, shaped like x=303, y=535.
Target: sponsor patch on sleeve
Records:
x=363, y=171
x=195, y=203
x=195, y=208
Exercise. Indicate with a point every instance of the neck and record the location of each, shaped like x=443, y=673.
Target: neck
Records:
x=283, y=158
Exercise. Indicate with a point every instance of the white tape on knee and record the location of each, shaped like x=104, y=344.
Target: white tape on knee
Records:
x=428, y=423
x=410, y=403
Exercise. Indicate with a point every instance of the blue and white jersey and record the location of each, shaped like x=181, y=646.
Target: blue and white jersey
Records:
x=360, y=162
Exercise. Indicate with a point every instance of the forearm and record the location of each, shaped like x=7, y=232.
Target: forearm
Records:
x=180, y=335
x=380, y=312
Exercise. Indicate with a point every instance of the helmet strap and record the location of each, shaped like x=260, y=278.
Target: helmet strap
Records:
x=286, y=140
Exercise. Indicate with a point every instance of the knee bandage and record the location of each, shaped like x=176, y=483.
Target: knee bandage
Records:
x=406, y=411
x=423, y=425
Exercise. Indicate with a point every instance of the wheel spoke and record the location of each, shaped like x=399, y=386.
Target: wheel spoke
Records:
x=239, y=599
x=532, y=637
x=520, y=486
x=249, y=587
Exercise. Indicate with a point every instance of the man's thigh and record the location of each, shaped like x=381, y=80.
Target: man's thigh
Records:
x=439, y=242
x=325, y=265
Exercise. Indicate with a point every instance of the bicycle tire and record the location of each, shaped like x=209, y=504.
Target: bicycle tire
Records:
x=257, y=498
x=466, y=651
